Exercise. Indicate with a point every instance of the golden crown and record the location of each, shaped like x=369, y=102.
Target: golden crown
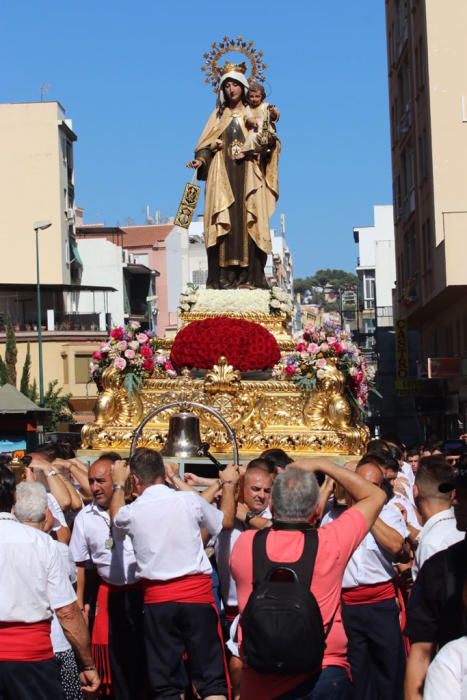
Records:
x=214, y=71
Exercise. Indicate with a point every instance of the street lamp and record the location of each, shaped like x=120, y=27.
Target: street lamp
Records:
x=40, y=226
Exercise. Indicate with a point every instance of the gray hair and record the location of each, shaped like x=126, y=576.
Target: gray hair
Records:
x=295, y=494
x=31, y=502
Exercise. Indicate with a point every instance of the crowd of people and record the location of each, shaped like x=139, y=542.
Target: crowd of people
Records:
x=286, y=578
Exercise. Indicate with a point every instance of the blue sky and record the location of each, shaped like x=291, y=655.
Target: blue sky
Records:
x=129, y=76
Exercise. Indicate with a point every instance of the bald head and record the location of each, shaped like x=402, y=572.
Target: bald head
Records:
x=371, y=472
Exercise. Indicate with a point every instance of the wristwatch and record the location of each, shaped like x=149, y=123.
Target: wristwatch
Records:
x=251, y=514
x=115, y=487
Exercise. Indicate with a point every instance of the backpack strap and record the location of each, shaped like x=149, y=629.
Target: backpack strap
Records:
x=303, y=567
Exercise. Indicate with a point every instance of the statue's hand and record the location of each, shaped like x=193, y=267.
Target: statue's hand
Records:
x=193, y=164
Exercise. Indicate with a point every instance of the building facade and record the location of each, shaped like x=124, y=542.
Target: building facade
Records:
x=427, y=55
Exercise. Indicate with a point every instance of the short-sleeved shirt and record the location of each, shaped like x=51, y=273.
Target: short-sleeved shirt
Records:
x=435, y=608
x=164, y=526
x=447, y=673
x=33, y=580
x=336, y=542
x=438, y=533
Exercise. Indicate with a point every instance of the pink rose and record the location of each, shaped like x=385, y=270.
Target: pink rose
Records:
x=117, y=333
x=142, y=338
x=134, y=345
x=321, y=363
x=324, y=347
x=146, y=351
x=301, y=347
x=122, y=345
x=130, y=354
x=120, y=363
x=313, y=348
x=96, y=355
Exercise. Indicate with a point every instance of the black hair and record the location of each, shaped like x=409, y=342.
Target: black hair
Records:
x=394, y=440
x=388, y=489
x=147, y=465
x=64, y=449
x=413, y=451
x=7, y=489
x=396, y=452
x=48, y=451
x=278, y=457
x=377, y=445
x=263, y=463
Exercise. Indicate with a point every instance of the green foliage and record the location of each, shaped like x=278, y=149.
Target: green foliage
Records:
x=132, y=382
x=33, y=392
x=324, y=278
x=58, y=404
x=26, y=373
x=11, y=353
x=3, y=372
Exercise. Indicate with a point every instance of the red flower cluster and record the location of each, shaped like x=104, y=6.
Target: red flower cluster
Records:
x=245, y=344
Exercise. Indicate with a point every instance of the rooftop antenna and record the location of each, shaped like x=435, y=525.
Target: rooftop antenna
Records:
x=45, y=87
x=282, y=218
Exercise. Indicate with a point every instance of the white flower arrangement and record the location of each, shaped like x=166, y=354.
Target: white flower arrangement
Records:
x=280, y=302
x=188, y=297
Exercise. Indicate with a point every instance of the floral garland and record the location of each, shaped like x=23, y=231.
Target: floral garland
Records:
x=245, y=344
x=315, y=348
x=134, y=353
x=279, y=300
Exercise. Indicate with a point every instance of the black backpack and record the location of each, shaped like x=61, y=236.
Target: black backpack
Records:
x=282, y=626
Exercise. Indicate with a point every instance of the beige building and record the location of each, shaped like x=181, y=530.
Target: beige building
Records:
x=37, y=184
x=427, y=56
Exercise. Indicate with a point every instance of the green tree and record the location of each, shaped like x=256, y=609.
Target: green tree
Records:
x=326, y=278
x=24, y=386
x=58, y=404
x=3, y=372
x=11, y=353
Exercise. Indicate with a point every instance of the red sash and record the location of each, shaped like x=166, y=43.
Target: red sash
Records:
x=194, y=588
x=100, y=633
x=25, y=641
x=369, y=593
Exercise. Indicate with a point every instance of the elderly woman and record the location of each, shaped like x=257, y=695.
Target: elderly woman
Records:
x=241, y=193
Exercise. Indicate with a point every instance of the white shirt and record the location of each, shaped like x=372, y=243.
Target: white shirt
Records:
x=57, y=512
x=447, y=673
x=164, y=527
x=223, y=547
x=439, y=532
x=91, y=532
x=59, y=641
x=33, y=580
x=371, y=563
x=412, y=519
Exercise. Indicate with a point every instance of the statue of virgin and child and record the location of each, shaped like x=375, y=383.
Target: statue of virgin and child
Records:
x=237, y=155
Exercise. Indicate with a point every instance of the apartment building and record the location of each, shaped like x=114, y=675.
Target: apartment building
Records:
x=427, y=55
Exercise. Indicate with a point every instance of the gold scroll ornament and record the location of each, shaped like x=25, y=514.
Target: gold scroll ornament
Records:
x=187, y=205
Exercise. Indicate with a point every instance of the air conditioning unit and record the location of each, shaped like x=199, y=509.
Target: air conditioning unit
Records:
x=70, y=214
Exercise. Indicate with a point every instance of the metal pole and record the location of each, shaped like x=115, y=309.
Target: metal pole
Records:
x=39, y=325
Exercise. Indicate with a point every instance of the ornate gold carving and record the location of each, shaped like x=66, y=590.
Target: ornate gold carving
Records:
x=264, y=413
x=187, y=205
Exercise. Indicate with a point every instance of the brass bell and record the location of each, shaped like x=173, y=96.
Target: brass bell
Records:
x=183, y=438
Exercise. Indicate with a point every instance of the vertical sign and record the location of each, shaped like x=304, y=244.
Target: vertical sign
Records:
x=402, y=351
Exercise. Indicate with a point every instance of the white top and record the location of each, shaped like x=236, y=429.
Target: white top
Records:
x=223, y=547
x=439, y=532
x=91, y=532
x=33, y=580
x=164, y=527
x=59, y=641
x=447, y=673
x=57, y=512
x=371, y=563
x=412, y=519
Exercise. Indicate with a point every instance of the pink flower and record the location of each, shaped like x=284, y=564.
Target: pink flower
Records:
x=168, y=365
x=290, y=369
x=331, y=339
x=104, y=347
x=97, y=355
x=142, y=338
x=130, y=354
x=120, y=363
x=324, y=347
x=313, y=348
x=122, y=345
x=301, y=347
x=134, y=345
x=321, y=363
x=146, y=350
x=117, y=333
x=148, y=364
x=338, y=347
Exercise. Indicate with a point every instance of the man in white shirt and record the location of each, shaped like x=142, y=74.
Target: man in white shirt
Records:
x=117, y=633
x=33, y=582
x=439, y=529
x=180, y=614
x=371, y=615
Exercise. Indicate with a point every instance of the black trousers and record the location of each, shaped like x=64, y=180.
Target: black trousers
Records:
x=174, y=628
x=126, y=645
x=30, y=680
x=376, y=650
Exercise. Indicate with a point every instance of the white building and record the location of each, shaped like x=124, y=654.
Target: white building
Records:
x=376, y=269
x=279, y=265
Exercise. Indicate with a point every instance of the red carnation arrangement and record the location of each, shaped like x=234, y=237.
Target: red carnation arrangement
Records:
x=245, y=344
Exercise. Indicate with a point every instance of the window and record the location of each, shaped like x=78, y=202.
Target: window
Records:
x=82, y=368
x=199, y=277
x=369, y=289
